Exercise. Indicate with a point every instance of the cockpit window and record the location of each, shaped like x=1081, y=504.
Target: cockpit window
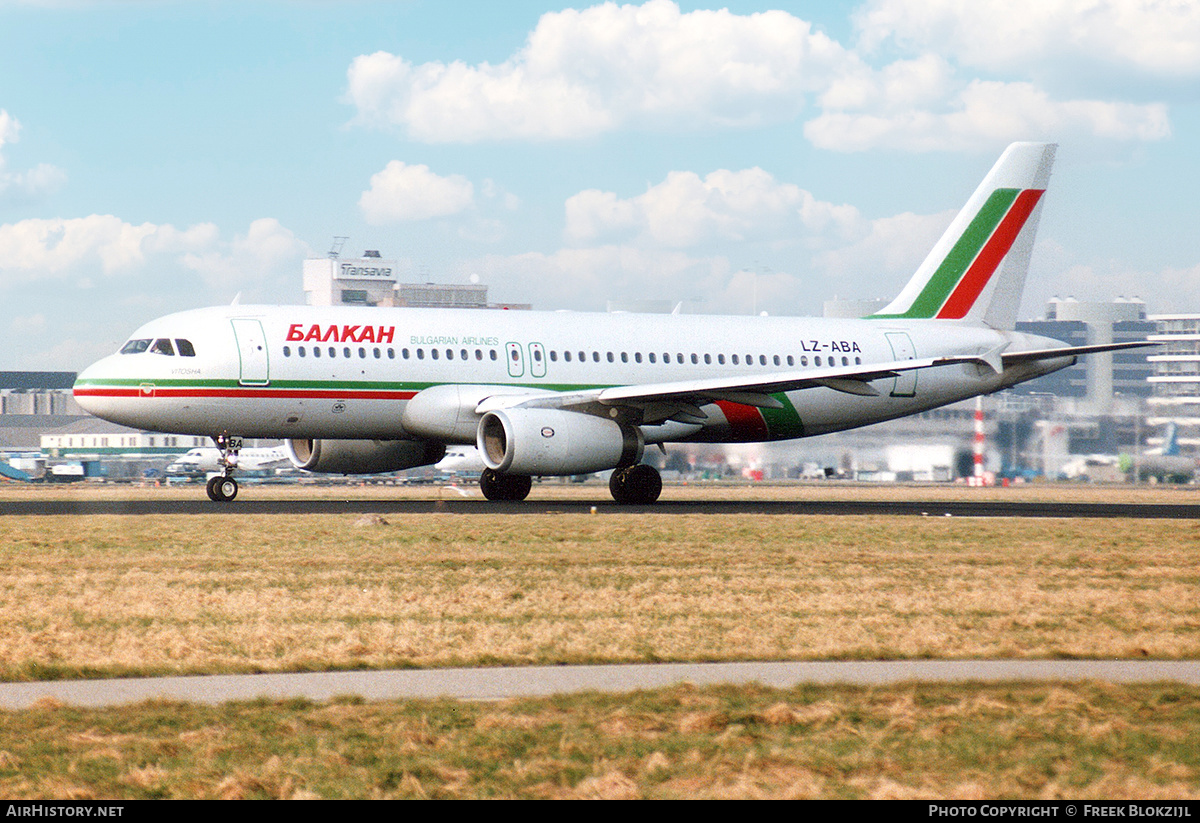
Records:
x=163, y=346
x=135, y=347
x=185, y=348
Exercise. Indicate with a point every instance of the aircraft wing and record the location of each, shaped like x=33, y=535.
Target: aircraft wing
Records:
x=681, y=400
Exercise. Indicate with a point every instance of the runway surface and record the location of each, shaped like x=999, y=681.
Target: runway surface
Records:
x=383, y=505
x=541, y=681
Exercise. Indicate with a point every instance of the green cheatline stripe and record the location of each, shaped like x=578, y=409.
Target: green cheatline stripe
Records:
x=952, y=269
x=785, y=423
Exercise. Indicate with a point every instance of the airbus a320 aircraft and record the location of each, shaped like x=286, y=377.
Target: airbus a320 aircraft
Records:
x=367, y=390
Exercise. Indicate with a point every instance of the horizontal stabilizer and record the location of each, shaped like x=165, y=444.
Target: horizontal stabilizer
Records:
x=1071, y=351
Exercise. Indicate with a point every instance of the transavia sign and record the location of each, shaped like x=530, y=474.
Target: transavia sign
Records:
x=364, y=270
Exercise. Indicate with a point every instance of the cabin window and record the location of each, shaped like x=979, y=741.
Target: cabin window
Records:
x=595, y=357
x=432, y=353
x=346, y=352
x=403, y=353
x=845, y=361
x=332, y=351
x=624, y=357
x=791, y=361
x=376, y=353
x=316, y=351
x=287, y=351
x=762, y=360
x=300, y=350
x=479, y=354
x=776, y=360
x=708, y=359
x=420, y=354
x=817, y=360
x=537, y=355
x=858, y=361
x=135, y=347
x=637, y=356
x=493, y=353
x=553, y=356
x=185, y=348
x=566, y=356
x=733, y=360
x=803, y=361
x=695, y=359
x=611, y=358
x=463, y=355
x=449, y=354
x=392, y=354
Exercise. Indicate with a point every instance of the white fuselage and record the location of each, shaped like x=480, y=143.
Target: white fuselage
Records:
x=348, y=372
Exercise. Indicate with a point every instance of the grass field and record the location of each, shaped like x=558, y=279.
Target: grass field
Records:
x=227, y=593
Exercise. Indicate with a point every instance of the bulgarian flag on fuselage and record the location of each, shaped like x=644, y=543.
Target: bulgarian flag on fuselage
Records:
x=976, y=271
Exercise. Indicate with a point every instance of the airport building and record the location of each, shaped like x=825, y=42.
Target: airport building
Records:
x=1175, y=379
x=371, y=280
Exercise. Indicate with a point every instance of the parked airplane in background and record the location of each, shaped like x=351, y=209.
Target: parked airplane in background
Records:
x=366, y=390
x=211, y=459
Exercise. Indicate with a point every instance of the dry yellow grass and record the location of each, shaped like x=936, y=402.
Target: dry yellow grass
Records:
x=117, y=595
x=1013, y=741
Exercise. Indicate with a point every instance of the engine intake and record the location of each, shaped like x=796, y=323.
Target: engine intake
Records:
x=555, y=442
x=363, y=456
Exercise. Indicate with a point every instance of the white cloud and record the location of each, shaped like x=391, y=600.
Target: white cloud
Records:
x=405, y=192
x=41, y=250
x=1157, y=37
x=687, y=210
x=984, y=115
x=583, y=73
x=15, y=186
x=877, y=263
x=265, y=255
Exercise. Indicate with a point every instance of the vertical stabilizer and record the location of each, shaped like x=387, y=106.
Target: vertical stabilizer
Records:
x=977, y=269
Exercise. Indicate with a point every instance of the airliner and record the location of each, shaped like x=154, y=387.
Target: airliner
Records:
x=369, y=389
x=210, y=459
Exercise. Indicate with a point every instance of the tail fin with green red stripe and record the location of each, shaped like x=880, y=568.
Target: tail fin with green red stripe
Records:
x=977, y=269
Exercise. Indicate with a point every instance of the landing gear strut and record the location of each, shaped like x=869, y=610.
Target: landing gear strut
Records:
x=635, y=485
x=223, y=488
x=496, y=486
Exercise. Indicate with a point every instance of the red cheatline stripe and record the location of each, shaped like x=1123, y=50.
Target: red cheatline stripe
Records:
x=250, y=393
x=969, y=288
x=746, y=421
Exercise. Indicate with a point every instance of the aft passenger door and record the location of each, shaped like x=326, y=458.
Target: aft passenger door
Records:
x=252, y=352
x=902, y=349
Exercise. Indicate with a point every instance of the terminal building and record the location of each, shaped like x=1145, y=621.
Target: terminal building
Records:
x=371, y=280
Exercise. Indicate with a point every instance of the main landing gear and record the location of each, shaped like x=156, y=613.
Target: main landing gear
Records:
x=222, y=488
x=497, y=486
x=635, y=485
x=632, y=485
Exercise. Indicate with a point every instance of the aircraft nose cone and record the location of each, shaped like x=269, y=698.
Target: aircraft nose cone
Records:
x=86, y=388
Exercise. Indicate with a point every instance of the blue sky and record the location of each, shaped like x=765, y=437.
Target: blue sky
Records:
x=156, y=156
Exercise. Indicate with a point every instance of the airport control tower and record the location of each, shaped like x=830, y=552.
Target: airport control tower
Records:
x=336, y=281
x=370, y=280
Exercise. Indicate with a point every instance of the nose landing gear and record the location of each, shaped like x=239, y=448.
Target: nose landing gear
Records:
x=223, y=488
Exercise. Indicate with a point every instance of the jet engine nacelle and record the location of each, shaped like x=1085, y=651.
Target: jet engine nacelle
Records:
x=363, y=456
x=555, y=442
x=446, y=413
